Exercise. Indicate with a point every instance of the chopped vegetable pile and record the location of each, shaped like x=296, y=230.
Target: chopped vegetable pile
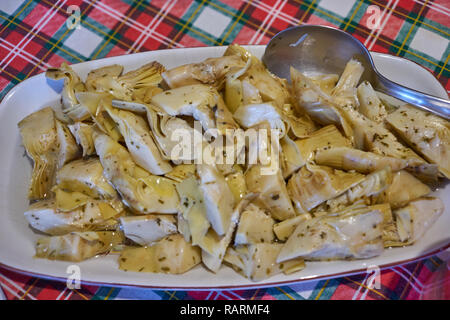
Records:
x=352, y=174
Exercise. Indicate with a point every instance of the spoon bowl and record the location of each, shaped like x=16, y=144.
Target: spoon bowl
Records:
x=314, y=49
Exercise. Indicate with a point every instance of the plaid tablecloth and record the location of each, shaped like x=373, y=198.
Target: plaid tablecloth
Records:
x=36, y=35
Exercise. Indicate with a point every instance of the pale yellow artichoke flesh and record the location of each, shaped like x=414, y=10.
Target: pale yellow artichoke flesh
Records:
x=171, y=255
x=426, y=133
x=77, y=246
x=40, y=137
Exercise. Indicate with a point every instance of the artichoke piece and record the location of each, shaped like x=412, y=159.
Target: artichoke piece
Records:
x=141, y=191
x=374, y=137
x=137, y=85
x=250, y=94
x=269, y=86
x=68, y=201
x=77, y=246
x=201, y=102
x=426, y=133
x=91, y=214
x=370, y=104
x=371, y=187
x=167, y=130
x=417, y=217
x=258, y=261
x=87, y=106
x=83, y=136
x=254, y=226
x=250, y=115
x=145, y=230
x=354, y=233
x=218, y=198
x=322, y=139
x=390, y=235
x=403, y=189
x=326, y=82
x=68, y=148
x=85, y=176
x=291, y=158
x=213, y=246
x=39, y=137
x=192, y=222
x=272, y=192
x=345, y=91
x=181, y=172
x=285, y=228
x=171, y=255
x=233, y=94
x=72, y=84
x=140, y=141
x=313, y=185
x=310, y=99
x=236, y=183
x=352, y=159
x=94, y=80
x=211, y=71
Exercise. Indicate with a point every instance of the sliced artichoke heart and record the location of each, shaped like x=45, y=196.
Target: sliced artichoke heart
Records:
x=147, y=229
x=39, y=137
x=140, y=141
x=352, y=233
x=171, y=254
x=426, y=133
x=141, y=191
x=314, y=184
x=77, y=246
x=85, y=176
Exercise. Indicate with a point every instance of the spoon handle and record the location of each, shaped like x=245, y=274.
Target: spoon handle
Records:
x=438, y=106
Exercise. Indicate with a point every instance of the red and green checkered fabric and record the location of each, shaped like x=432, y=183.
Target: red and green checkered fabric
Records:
x=37, y=34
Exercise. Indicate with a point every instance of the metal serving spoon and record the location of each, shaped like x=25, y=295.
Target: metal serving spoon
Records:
x=318, y=49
